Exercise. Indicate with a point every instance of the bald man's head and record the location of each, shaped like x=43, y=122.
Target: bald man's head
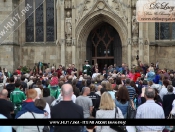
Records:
x=67, y=90
x=4, y=93
x=86, y=91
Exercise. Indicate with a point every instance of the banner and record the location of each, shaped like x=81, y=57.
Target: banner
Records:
x=96, y=122
x=155, y=10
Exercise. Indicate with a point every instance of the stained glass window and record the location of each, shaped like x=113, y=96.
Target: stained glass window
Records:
x=39, y=23
x=173, y=30
x=50, y=20
x=42, y=25
x=164, y=31
x=30, y=23
x=157, y=31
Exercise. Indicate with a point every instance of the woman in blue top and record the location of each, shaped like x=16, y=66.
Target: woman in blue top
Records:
x=122, y=100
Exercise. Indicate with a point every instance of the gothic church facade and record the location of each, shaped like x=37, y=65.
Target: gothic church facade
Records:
x=71, y=31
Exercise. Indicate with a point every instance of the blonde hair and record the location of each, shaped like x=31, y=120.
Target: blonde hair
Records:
x=106, y=103
x=92, y=87
x=103, y=84
x=108, y=86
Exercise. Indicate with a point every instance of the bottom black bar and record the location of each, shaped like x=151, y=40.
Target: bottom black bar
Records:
x=97, y=122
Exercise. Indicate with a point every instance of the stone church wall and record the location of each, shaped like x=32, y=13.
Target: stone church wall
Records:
x=9, y=49
x=164, y=55
x=45, y=53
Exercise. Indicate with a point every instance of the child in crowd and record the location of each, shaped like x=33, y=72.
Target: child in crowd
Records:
x=54, y=88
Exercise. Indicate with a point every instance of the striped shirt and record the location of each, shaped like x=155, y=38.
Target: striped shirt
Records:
x=131, y=92
x=150, y=110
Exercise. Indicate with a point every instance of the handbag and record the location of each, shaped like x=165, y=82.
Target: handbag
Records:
x=131, y=112
x=45, y=129
x=118, y=128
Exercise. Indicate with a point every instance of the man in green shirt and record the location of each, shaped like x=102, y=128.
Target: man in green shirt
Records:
x=17, y=97
x=87, y=68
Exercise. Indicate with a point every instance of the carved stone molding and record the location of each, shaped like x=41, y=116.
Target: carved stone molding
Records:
x=62, y=42
x=129, y=41
x=133, y=4
x=135, y=29
x=146, y=42
x=86, y=24
x=101, y=6
x=68, y=4
x=68, y=28
x=141, y=42
x=74, y=42
x=134, y=41
x=116, y=5
x=68, y=31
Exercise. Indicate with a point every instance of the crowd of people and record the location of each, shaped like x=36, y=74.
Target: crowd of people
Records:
x=70, y=94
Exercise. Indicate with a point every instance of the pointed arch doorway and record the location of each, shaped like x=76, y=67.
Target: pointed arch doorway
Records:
x=104, y=46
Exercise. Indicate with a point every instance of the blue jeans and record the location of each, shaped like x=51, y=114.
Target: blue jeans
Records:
x=51, y=129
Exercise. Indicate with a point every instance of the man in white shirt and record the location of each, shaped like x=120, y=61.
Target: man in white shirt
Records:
x=150, y=110
x=164, y=90
x=30, y=82
x=95, y=74
x=73, y=75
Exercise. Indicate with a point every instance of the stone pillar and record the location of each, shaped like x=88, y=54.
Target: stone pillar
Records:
x=62, y=34
x=129, y=53
x=73, y=33
x=73, y=53
x=129, y=36
x=141, y=42
x=147, y=42
x=9, y=49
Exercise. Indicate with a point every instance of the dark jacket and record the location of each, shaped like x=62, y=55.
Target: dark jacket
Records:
x=167, y=103
x=67, y=110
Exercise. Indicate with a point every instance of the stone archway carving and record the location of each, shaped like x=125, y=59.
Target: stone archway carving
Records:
x=89, y=21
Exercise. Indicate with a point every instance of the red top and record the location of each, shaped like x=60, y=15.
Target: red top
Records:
x=136, y=76
x=69, y=70
x=59, y=73
x=18, y=71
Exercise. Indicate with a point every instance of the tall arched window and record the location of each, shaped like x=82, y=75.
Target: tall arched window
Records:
x=165, y=31
x=40, y=25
